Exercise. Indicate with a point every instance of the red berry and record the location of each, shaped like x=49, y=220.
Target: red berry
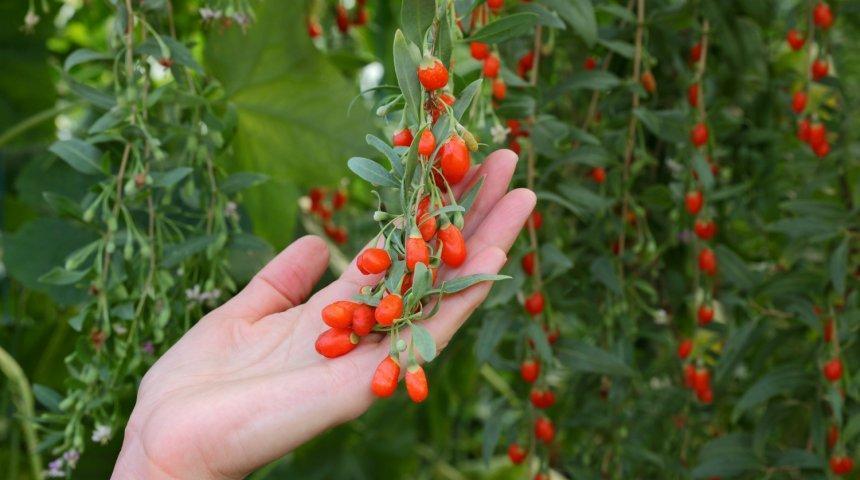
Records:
x=536, y=219
x=648, y=82
x=427, y=143
x=689, y=375
x=530, y=370
x=314, y=28
x=693, y=201
x=492, y=66
x=342, y=19
x=453, y=245
x=390, y=309
x=548, y=398
x=696, y=52
x=516, y=453
x=705, y=229
x=708, y=261
x=817, y=134
x=495, y=5
x=335, y=342
x=819, y=69
x=528, y=263
x=822, y=149
x=361, y=16
x=685, y=348
x=544, y=430
x=822, y=16
x=795, y=40
x=338, y=199
x=798, y=102
x=385, y=378
x=699, y=134
x=833, y=370
x=841, y=465
x=363, y=320
x=455, y=160
x=541, y=476
x=402, y=138
x=702, y=380
x=416, y=252
x=479, y=50
x=525, y=63
x=552, y=336
x=426, y=222
x=705, y=315
x=432, y=74
x=416, y=383
x=832, y=436
x=705, y=396
x=693, y=95
x=598, y=174
x=590, y=63
x=373, y=260
x=339, y=314
x=437, y=106
x=803, y=130
x=499, y=89
x=534, y=303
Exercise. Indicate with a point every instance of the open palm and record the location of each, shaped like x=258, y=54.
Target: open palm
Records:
x=244, y=386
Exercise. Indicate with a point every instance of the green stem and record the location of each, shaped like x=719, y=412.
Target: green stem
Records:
x=34, y=121
x=16, y=376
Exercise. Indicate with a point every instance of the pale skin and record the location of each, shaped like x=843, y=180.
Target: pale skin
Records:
x=245, y=385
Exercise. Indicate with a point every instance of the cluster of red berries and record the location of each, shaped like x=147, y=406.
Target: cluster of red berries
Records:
x=416, y=244
x=342, y=19
x=323, y=206
x=812, y=133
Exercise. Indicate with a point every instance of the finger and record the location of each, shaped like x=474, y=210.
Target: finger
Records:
x=501, y=226
x=283, y=283
x=478, y=170
x=456, y=308
x=496, y=172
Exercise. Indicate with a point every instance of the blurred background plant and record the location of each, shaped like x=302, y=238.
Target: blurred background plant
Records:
x=149, y=171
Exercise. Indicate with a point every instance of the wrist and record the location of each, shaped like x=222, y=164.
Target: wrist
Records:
x=134, y=464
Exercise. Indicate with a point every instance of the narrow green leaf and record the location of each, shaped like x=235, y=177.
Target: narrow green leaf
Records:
x=79, y=154
x=406, y=59
x=239, y=181
x=505, y=28
x=603, y=270
x=468, y=198
x=839, y=266
x=783, y=380
x=416, y=16
x=462, y=283
x=81, y=56
x=583, y=357
x=579, y=14
x=171, y=177
x=466, y=96
x=423, y=342
x=61, y=276
x=372, y=172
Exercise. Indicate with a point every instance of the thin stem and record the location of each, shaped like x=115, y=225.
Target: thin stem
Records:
x=24, y=402
x=700, y=69
x=34, y=121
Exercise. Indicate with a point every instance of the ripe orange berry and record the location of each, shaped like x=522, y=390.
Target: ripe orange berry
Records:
x=416, y=251
x=705, y=315
x=685, y=348
x=598, y=174
x=648, y=82
x=499, y=89
x=528, y=263
x=803, y=129
x=832, y=436
x=841, y=465
x=534, y=303
x=416, y=383
x=432, y=74
x=798, y=101
x=390, y=309
x=702, y=380
x=373, y=261
x=693, y=201
x=705, y=396
x=363, y=320
x=495, y=5
x=402, y=138
x=530, y=370
x=426, y=222
x=427, y=143
x=689, y=375
x=693, y=95
x=590, y=63
x=455, y=160
x=385, y=377
x=516, y=454
x=491, y=66
x=705, y=229
x=335, y=342
x=479, y=50
x=314, y=28
x=795, y=40
x=708, y=261
x=453, y=245
x=699, y=134
x=833, y=370
x=822, y=16
x=536, y=219
x=339, y=314
x=544, y=430
x=819, y=69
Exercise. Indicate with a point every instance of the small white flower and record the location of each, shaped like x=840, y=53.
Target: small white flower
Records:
x=659, y=383
x=101, y=434
x=305, y=203
x=499, y=133
x=193, y=293
x=661, y=317
x=30, y=21
x=209, y=14
x=71, y=457
x=55, y=469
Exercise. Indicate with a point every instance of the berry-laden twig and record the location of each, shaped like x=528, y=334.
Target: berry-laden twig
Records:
x=420, y=231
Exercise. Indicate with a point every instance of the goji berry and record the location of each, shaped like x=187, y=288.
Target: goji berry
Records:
x=385, y=377
x=705, y=315
x=432, y=74
x=416, y=383
x=427, y=143
x=534, y=303
x=795, y=40
x=339, y=314
x=416, y=251
x=822, y=16
x=685, y=348
x=693, y=95
x=499, y=89
x=455, y=160
x=479, y=50
x=491, y=66
x=648, y=82
x=699, y=134
x=708, y=261
x=705, y=229
x=590, y=63
x=453, y=245
x=528, y=263
x=363, y=320
x=696, y=52
x=693, y=201
x=798, y=101
x=402, y=138
x=335, y=342
x=530, y=370
x=544, y=430
x=598, y=174
x=516, y=453
x=390, y=308
x=373, y=260
x=820, y=69
x=833, y=369
x=426, y=222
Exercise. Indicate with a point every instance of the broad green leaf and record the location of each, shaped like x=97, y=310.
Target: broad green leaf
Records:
x=505, y=28
x=406, y=59
x=47, y=397
x=783, y=380
x=416, y=16
x=79, y=154
x=388, y=151
x=293, y=121
x=797, y=458
x=372, y=172
x=61, y=276
x=839, y=266
x=552, y=197
x=583, y=357
x=579, y=14
x=458, y=284
x=423, y=342
x=617, y=11
x=236, y=182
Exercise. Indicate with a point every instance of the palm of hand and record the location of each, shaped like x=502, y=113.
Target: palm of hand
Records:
x=245, y=385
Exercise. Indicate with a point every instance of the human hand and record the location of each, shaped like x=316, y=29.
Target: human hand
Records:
x=245, y=385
